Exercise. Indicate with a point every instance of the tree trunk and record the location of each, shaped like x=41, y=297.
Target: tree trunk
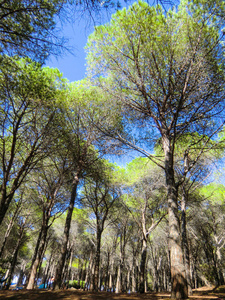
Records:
x=41, y=260
x=178, y=276
x=118, y=279
x=185, y=242
x=106, y=285
x=3, y=209
x=97, y=258
x=21, y=275
x=47, y=269
x=110, y=286
x=59, y=270
x=143, y=265
x=6, y=277
x=15, y=254
x=35, y=252
x=9, y=228
x=40, y=251
x=219, y=262
x=88, y=273
x=70, y=263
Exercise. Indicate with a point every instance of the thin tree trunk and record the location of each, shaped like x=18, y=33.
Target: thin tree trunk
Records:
x=61, y=262
x=35, y=253
x=143, y=265
x=9, y=228
x=47, y=269
x=70, y=263
x=15, y=254
x=41, y=260
x=40, y=251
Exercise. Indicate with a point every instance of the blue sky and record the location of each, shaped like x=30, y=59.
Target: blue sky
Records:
x=73, y=65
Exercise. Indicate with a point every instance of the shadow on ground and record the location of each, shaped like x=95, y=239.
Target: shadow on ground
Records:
x=75, y=295
x=199, y=294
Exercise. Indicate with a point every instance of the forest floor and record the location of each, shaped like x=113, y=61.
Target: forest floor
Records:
x=72, y=294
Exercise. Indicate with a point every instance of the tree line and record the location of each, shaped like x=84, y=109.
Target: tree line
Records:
x=155, y=85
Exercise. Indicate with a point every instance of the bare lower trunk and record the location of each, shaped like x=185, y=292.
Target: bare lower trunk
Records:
x=185, y=242
x=88, y=273
x=142, y=266
x=21, y=275
x=61, y=262
x=47, y=269
x=118, y=280
x=97, y=260
x=35, y=252
x=36, y=263
x=14, y=258
x=9, y=228
x=178, y=276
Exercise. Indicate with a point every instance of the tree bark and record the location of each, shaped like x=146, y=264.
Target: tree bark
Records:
x=21, y=275
x=88, y=276
x=40, y=251
x=9, y=228
x=97, y=258
x=185, y=242
x=15, y=254
x=178, y=276
x=143, y=265
x=118, y=279
x=59, y=270
x=35, y=252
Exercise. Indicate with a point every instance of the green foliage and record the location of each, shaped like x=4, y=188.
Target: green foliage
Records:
x=27, y=27
x=76, y=284
x=94, y=108
x=213, y=193
x=157, y=64
x=28, y=104
x=25, y=88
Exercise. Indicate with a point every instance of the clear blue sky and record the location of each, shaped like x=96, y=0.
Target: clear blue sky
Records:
x=73, y=65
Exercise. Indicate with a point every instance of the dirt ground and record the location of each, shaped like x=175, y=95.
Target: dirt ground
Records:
x=70, y=294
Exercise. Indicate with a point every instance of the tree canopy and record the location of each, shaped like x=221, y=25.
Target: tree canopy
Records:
x=70, y=217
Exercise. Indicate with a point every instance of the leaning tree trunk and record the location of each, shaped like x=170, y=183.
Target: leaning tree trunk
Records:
x=59, y=269
x=9, y=228
x=15, y=254
x=35, y=251
x=40, y=251
x=178, y=276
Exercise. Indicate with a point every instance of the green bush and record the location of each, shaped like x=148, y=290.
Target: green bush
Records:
x=76, y=284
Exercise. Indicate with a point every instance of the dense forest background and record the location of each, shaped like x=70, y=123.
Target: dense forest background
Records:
x=69, y=217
